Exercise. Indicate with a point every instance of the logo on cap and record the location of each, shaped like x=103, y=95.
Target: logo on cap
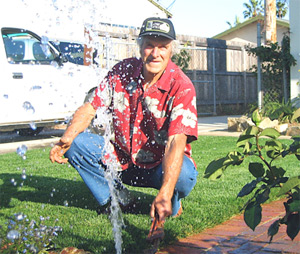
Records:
x=157, y=25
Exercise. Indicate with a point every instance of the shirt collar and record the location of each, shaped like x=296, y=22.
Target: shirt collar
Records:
x=164, y=82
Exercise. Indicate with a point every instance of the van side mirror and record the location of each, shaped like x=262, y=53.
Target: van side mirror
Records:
x=61, y=59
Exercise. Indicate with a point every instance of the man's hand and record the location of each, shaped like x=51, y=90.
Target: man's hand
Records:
x=59, y=149
x=162, y=206
x=80, y=121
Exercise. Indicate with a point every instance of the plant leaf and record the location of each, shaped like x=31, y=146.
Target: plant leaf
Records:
x=263, y=197
x=247, y=148
x=215, y=169
x=289, y=184
x=295, y=206
x=295, y=115
x=273, y=148
x=278, y=171
x=243, y=139
x=256, y=169
x=251, y=131
x=235, y=158
x=293, y=225
x=247, y=189
x=252, y=215
x=270, y=132
x=273, y=229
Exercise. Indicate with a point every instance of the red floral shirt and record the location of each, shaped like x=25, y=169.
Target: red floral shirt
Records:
x=143, y=120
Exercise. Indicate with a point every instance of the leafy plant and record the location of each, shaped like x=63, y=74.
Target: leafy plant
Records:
x=24, y=236
x=283, y=112
x=182, y=59
x=276, y=61
x=267, y=176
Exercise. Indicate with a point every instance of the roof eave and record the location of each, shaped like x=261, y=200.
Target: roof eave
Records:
x=280, y=22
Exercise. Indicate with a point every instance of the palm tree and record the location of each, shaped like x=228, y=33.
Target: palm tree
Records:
x=236, y=22
x=253, y=9
x=281, y=8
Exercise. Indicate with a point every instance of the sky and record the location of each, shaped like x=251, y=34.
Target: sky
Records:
x=204, y=18
x=64, y=18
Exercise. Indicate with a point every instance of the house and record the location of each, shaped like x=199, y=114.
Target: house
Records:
x=246, y=32
x=295, y=47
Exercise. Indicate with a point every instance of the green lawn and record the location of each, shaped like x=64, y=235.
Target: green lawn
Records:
x=49, y=187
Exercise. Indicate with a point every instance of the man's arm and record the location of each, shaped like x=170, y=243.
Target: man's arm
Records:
x=80, y=121
x=171, y=165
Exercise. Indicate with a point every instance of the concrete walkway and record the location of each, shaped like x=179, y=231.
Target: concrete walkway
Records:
x=215, y=126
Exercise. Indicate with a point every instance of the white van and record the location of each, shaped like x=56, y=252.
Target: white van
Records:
x=38, y=85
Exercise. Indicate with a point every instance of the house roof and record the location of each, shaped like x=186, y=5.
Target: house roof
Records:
x=280, y=22
x=169, y=14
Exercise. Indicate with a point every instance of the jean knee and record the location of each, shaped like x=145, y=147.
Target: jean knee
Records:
x=187, y=178
x=86, y=146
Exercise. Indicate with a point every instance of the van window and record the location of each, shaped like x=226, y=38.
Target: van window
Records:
x=23, y=47
x=73, y=51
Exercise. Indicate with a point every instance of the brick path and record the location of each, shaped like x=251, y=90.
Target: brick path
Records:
x=234, y=236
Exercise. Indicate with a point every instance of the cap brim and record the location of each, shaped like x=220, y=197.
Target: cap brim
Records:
x=151, y=33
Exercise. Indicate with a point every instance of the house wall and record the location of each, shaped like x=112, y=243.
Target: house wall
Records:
x=295, y=46
x=245, y=35
x=248, y=34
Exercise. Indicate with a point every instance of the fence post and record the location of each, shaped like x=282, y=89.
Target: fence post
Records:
x=259, y=69
x=244, y=76
x=214, y=82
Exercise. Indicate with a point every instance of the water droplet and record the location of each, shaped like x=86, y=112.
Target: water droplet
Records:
x=20, y=216
x=13, y=234
x=21, y=150
x=44, y=40
x=55, y=64
x=33, y=126
x=28, y=107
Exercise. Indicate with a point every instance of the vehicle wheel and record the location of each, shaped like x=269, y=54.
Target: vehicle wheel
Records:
x=29, y=131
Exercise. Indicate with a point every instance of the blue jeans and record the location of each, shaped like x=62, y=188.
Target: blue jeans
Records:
x=85, y=155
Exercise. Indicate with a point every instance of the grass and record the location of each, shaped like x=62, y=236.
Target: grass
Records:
x=58, y=191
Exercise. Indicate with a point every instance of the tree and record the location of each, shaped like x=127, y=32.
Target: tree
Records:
x=236, y=22
x=253, y=9
x=281, y=8
x=256, y=7
x=270, y=21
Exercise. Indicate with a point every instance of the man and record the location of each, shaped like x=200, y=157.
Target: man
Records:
x=153, y=106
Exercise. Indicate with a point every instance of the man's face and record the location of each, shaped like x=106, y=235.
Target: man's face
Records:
x=155, y=53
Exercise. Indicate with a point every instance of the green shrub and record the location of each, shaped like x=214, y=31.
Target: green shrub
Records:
x=267, y=176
